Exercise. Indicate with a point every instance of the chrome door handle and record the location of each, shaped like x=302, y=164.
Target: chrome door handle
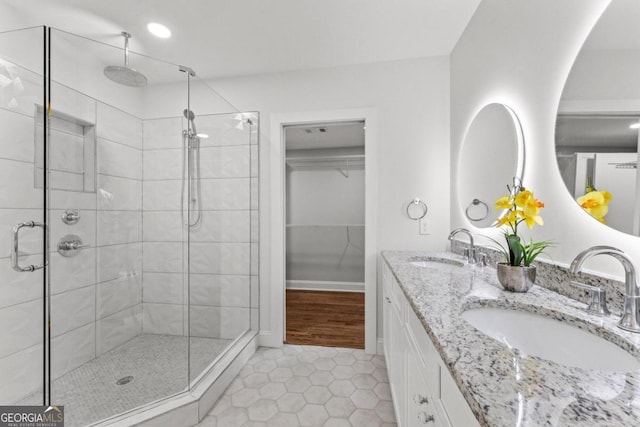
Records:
x=16, y=244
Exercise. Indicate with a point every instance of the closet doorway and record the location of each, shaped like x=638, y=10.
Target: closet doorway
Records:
x=325, y=234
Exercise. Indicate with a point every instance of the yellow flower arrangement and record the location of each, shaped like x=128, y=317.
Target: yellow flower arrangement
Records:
x=520, y=206
x=595, y=202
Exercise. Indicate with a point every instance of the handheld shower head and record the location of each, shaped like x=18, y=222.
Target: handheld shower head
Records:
x=190, y=115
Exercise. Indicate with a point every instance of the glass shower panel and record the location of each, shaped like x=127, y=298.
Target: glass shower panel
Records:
x=223, y=244
x=117, y=278
x=22, y=321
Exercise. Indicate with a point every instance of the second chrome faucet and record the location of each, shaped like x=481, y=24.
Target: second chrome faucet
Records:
x=630, y=320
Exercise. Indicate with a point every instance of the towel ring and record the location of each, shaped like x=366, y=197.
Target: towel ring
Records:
x=476, y=202
x=420, y=203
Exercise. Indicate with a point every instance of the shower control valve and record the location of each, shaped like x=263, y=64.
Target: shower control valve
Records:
x=70, y=245
x=71, y=216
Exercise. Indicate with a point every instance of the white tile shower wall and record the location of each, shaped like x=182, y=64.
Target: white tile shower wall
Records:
x=20, y=129
x=219, y=287
x=119, y=228
x=21, y=317
x=87, y=297
x=111, y=331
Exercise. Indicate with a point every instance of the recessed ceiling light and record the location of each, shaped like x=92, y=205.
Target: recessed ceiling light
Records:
x=159, y=30
x=635, y=126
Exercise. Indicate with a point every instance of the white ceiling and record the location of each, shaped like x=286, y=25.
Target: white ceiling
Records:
x=240, y=37
x=335, y=135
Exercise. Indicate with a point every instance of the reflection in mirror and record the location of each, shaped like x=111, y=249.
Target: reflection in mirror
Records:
x=598, y=120
x=599, y=153
x=492, y=156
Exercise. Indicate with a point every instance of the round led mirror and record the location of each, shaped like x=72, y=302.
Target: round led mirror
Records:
x=598, y=121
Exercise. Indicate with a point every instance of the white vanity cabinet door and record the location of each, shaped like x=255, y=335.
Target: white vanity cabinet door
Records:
x=394, y=346
x=416, y=369
x=420, y=409
x=453, y=402
x=446, y=400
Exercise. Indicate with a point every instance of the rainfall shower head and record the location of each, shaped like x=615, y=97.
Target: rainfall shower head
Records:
x=189, y=115
x=125, y=75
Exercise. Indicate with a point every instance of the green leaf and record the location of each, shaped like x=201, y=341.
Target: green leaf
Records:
x=516, y=249
x=533, y=249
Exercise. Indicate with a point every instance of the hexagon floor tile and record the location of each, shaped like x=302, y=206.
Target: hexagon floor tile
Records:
x=301, y=385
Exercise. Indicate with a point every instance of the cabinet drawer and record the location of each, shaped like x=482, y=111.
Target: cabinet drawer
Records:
x=420, y=404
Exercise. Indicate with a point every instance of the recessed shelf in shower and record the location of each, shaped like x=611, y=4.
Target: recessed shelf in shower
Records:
x=72, y=152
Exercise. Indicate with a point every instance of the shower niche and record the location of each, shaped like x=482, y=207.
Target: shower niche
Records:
x=72, y=152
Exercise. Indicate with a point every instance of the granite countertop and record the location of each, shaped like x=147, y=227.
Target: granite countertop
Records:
x=502, y=386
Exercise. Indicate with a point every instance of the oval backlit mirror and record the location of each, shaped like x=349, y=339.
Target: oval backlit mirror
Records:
x=492, y=156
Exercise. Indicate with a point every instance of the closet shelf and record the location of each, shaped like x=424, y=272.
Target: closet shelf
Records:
x=325, y=225
x=339, y=162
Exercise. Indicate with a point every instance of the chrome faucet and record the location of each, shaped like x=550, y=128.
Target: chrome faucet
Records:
x=471, y=255
x=630, y=320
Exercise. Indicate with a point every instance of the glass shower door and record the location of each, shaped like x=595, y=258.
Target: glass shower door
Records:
x=22, y=216
x=118, y=340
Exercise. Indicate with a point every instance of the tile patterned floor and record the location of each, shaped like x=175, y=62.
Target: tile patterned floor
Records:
x=307, y=386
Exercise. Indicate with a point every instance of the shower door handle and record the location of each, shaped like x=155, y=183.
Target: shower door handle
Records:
x=16, y=244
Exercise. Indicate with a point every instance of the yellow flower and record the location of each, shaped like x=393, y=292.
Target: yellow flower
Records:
x=503, y=203
x=523, y=197
x=531, y=210
x=595, y=204
x=510, y=218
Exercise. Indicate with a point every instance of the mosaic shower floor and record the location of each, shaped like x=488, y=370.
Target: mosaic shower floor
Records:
x=157, y=363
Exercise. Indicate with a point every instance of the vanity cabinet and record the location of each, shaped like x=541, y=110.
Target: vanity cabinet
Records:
x=424, y=393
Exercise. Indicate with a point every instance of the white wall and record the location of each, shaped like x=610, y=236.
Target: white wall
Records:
x=604, y=75
x=220, y=244
x=412, y=101
x=325, y=197
x=520, y=53
x=328, y=250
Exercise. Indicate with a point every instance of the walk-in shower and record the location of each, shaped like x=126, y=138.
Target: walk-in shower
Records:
x=147, y=298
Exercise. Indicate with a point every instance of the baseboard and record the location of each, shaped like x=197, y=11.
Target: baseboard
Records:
x=319, y=285
x=268, y=339
x=380, y=346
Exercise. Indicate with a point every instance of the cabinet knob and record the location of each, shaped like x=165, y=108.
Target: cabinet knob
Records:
x=425, y=419
x=418, y=399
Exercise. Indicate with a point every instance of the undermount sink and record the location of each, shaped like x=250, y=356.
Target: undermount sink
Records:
x=428, y=261
x=550, y=339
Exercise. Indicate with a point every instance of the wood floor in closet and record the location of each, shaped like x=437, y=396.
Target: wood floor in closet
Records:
x=332, y=319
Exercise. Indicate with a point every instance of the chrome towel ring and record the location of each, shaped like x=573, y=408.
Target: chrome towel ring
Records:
x=477, y=202
x=419, y=211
